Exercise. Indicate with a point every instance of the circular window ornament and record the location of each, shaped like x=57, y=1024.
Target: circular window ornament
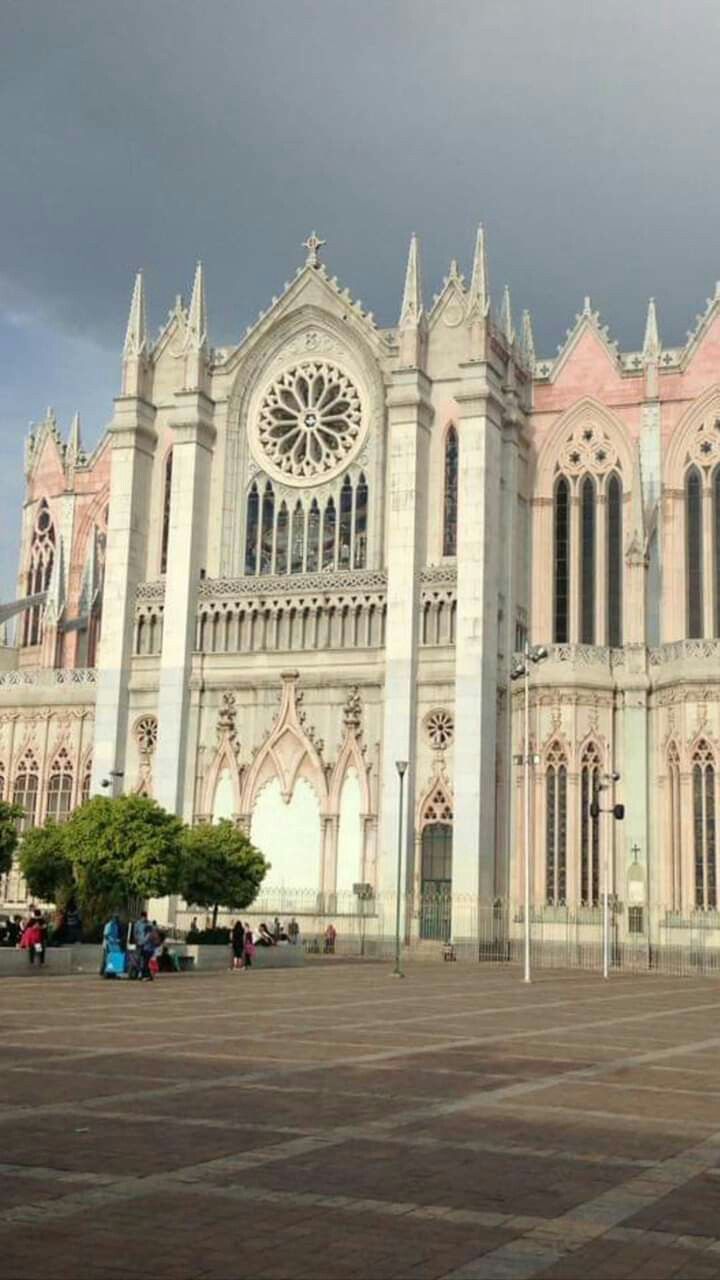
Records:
x=440, y=729
x=310, y=423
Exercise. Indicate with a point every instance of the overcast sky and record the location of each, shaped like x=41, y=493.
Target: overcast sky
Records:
x=153, y=133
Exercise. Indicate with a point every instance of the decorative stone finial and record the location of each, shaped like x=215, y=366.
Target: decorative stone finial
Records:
x=505, y=318
x=313, y=244
x=527, y=341
x=352, y=711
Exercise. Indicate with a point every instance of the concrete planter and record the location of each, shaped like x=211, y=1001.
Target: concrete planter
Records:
x=60, y=961
x=219, y=957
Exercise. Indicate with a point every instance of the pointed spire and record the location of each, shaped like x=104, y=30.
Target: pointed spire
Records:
x=505, y=318
x=196, y=332
x=73, y=450
x=136, y=336
x=55, y=603
x=527, y=341
x=412, y=305
x=479, y=295
x=651, y=342
x=87, y=589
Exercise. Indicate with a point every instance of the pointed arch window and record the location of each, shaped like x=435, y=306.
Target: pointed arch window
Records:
x=614, y=561
x=587, y=563
x=59, y=789
x=704, y=831
x=39, y=572
x=267, y=529
x=86, y=783
x=561, y=627
x=556, y=827
x=674, y=826
x=451, y=493
x=167, y=499
x=252, y=524
x=282, y=533
x=313, y=544
x=589, y=828
x=329, y=529
x=25, y=792
x=345, y=526
x=297, y=539
x=694, y=553
x=361, y=519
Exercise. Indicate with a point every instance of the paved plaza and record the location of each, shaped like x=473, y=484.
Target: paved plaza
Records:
x=333, y=1121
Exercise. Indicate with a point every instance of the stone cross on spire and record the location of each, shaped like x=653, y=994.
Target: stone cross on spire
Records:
x=313, y=244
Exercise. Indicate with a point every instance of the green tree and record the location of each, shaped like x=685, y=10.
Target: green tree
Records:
x=220, y=867
x=124, y=850
x=46, y=864
x=10, y=815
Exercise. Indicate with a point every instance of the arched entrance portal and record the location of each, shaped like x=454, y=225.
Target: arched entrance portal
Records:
x=436, y=881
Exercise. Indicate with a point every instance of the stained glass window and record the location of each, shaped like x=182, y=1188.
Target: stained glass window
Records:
x=281, y=539
x=345, y=529
x=614, y=561
x=704, y=828
x=251, y=530
x=694, y=554
x=329, y=528
x=42, y=554
x=589, y=828
x=267, y=529
x=297, y=539
x=313, y=538
x=25, y=794
x=561, y=630
x=556, y=831
x=587, y=571
x=361, y=516
x=451, y=493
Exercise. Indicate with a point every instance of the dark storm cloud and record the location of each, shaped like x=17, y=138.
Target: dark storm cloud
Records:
x=584, y=135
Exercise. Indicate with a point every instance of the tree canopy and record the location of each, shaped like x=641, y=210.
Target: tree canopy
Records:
x=9, y=816
x=46, y=864
x=124, y=849
x=220, y=867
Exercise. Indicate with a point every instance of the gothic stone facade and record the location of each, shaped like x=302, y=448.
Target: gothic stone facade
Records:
x=295, y=560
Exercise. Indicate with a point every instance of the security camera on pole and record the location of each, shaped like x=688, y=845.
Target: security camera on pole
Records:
x=521, y=671
x=618, y=812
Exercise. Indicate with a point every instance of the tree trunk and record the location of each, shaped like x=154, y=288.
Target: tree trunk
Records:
x=215, y=911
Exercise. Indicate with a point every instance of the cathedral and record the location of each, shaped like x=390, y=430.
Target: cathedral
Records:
x=298, y=561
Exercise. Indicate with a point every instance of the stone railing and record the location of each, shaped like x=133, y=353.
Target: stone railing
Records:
x=684, y=651
x=47, y=677
x=292, y=613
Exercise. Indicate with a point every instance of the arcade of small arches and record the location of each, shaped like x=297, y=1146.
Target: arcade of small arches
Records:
x=65, y=788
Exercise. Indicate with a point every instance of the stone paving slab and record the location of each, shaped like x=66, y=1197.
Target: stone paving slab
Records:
x=329, y=1122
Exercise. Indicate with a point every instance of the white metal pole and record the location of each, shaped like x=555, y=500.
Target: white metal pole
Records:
x=526, y=762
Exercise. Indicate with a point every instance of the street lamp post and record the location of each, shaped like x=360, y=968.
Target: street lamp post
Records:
x=521, y=671
x=401, y=766
x=618, y=812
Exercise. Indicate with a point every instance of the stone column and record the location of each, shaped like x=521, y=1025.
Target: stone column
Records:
x=410, y=416
x=476, y=644
x=133, y=440
x=193, y=438
x=633, y=788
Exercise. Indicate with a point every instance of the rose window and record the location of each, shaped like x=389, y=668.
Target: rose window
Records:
x=440, y=729
x=309, y=421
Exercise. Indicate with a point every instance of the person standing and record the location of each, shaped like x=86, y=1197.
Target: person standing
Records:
x=248, y=947
x=293, y=931
x=277, y=929
x=32, y=941
x=237, y=944
x=143, y=937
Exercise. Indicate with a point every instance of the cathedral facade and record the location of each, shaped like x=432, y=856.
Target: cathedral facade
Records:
x=298, y=560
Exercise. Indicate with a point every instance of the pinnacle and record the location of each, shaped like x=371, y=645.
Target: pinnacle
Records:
x=136, y=336
x=527, y=340
x=412, y=305
x=479, y=295
x=651, y=341
x=505, y=317
x=196, y=332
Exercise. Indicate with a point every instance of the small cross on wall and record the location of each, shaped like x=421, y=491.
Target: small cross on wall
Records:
x=635, y=850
